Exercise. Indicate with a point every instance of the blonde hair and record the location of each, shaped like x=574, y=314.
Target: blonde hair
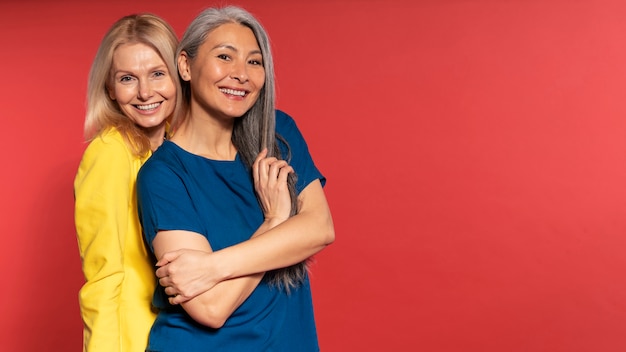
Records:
x=103, y=113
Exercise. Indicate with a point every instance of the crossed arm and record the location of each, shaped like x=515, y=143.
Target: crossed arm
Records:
x=187, y=273
x=213, y=307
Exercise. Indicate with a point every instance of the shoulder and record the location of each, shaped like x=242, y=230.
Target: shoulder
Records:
x=164, y=161
x=284, y=121
x=108, y=142
x=107, y=159
x=108, y=149
x=287, y=128
x=167, y=154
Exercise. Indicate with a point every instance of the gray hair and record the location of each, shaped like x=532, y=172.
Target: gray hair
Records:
x=256, y=129
x=259, y=121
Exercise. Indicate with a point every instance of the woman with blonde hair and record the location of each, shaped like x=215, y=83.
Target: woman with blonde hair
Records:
x=132, y=96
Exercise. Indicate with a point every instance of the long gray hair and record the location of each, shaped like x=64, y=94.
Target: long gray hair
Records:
x=256, y=129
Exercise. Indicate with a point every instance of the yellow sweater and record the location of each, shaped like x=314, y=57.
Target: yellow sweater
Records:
x=115, y=301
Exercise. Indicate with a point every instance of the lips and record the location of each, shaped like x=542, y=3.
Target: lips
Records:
x=235, y=92
x=147, y=107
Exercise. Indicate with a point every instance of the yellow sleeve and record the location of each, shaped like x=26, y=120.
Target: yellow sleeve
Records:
x=102, y=191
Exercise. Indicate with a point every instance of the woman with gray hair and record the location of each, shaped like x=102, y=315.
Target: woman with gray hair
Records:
x=241, y=256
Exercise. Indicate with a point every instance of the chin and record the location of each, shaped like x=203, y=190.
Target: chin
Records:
x=152, y=124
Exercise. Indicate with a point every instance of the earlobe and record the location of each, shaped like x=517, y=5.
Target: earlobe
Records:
x=183, y=66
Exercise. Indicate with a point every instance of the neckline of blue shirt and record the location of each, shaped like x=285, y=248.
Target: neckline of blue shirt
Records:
x=190, y=154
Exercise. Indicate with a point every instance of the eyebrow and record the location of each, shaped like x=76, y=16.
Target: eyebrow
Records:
x=230, y=47
x=151, y=69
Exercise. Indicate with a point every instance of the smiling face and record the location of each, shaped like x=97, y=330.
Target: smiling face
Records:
x=227, y=74
x=142, y=86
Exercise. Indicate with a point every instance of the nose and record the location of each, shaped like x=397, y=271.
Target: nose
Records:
x=144, y=91
x=239, y=72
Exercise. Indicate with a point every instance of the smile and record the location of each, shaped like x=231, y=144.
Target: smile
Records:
x=148, y=106
x=239, y=93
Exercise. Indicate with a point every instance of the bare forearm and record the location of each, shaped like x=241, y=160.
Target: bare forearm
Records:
x=187, y=273
x=289, y=243
x=215, y=306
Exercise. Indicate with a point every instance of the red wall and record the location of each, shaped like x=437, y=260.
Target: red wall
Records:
x=475, y=151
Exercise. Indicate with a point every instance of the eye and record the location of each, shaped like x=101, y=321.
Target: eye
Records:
x=223, y=57
x=159, y=74
x=125, y=79
x=256, y=62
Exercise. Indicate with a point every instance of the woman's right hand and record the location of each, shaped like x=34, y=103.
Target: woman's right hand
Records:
x=186, y=273
x=270, y=183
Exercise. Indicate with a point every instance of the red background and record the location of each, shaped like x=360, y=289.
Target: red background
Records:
x=475, y=151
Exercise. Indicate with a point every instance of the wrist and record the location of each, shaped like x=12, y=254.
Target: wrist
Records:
x=268, y=224
x=271, y=222
x=218, y=262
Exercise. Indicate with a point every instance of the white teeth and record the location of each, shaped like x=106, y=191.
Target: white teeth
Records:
x=240, y=93
x=148, y=107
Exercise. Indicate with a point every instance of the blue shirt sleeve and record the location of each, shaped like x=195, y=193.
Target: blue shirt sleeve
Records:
x=300, y=158
x=163, y=200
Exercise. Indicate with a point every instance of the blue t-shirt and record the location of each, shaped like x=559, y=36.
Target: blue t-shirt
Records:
x=178, y=190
